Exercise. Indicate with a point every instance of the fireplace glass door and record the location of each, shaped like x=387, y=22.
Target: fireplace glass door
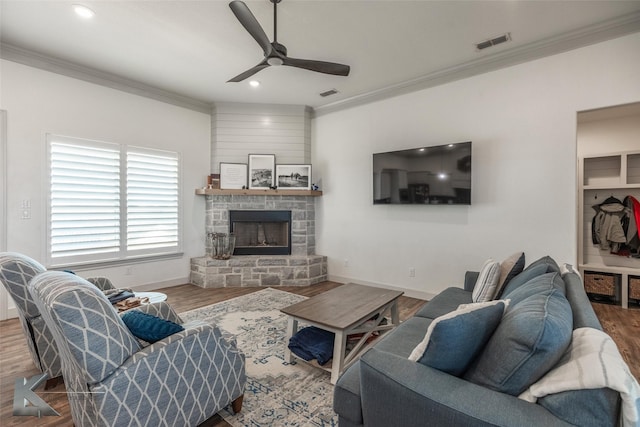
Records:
x=261, y=232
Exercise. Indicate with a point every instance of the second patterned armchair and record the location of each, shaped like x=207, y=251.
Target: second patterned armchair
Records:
x=16, y=271
x=112, y=379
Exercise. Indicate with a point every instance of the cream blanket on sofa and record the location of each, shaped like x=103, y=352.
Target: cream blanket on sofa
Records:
x=592, y=361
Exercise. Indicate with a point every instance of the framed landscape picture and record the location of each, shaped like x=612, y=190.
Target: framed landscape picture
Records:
x=233, y=176
x=261, y=171
x=293, y=177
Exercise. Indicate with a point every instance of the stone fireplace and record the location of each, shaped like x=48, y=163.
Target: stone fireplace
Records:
x=298, y=266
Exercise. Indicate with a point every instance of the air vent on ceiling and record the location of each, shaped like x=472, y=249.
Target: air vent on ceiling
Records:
x=494, y=41
x=328, y=93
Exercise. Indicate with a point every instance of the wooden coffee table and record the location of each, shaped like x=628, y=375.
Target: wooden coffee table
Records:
x=344, y=311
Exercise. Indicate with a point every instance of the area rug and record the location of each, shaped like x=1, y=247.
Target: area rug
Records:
x=277, y=393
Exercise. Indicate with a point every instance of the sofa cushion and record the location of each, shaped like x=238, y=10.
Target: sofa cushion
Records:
x=149, y=328
x=537, y=285
x=485, y=287
x=521, y=279
x=510, y=268
x=453, y=340
x=404, y=338
x=446, y=301
x=530, y=339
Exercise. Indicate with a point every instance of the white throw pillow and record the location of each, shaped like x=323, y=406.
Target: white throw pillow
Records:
x=486, y=285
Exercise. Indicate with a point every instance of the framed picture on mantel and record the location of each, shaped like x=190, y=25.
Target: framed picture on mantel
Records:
x=261, y=171
x=233, y=176
x=293, y=177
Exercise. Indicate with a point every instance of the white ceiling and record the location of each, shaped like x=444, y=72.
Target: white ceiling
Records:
x=192, y=48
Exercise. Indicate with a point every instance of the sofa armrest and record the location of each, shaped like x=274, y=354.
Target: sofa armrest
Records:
x=470, y=278
x=397, y=391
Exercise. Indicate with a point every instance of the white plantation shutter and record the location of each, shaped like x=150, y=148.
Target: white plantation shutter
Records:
x=152, y=200
x=110, y=202
x=85, y=200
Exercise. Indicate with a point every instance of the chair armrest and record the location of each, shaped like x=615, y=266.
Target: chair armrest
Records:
x=397, y=391
x=470, y=278
x=159, y=309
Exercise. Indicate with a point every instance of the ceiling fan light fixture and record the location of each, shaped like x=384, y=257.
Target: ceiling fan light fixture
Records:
x=254, y=83
x=83, y=11
x=275, y=60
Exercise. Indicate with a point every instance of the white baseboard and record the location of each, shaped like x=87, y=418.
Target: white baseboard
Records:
x=427, y=296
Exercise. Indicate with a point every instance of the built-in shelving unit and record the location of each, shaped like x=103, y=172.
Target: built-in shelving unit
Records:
x=600, y=177
x=218, y=192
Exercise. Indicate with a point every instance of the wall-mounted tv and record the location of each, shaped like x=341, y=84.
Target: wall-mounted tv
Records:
x=439, y=175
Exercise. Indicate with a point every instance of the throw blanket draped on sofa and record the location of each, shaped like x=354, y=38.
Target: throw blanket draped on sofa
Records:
x=592, y=361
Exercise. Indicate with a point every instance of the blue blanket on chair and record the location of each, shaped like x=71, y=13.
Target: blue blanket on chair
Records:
x=313, y=343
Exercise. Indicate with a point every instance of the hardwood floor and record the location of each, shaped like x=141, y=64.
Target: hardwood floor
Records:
x=15, y=362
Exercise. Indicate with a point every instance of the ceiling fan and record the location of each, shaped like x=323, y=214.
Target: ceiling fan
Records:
x=274, y=52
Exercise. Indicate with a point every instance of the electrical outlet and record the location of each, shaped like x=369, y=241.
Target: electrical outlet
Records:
x=412, y=272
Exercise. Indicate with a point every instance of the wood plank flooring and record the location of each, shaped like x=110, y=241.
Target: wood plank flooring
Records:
x=15, y=361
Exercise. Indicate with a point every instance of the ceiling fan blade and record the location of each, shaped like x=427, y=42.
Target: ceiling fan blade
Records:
x=240, y=77
x=319, y=66
x=251, y=24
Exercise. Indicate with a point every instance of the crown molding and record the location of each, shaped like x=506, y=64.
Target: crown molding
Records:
x=103, y=78
x=582, y=37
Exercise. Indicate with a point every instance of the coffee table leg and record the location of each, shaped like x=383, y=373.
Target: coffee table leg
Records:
x=292, y=328
x=395, y=316
x=339, y=344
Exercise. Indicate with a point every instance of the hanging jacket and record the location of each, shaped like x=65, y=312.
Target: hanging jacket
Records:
x=607, y=230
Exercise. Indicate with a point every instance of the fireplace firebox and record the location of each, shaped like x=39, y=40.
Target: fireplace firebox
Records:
x=260, y=232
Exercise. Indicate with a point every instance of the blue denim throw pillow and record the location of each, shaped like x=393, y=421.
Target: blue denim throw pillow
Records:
x=148, y=327
x=531, y=338
x=453, y=340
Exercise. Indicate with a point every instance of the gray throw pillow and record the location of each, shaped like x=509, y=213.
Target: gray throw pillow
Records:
x=531, y=338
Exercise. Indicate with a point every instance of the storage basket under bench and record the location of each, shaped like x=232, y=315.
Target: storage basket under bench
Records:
x=603, y=287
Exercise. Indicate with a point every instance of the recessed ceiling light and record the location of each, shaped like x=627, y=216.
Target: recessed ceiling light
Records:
x=83, y=11
x=254, y=83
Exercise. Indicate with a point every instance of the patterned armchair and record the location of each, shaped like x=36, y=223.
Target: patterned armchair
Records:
x=112, y=379
x=16, y=271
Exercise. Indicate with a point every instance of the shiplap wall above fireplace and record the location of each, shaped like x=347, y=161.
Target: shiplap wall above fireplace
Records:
x=238, y=130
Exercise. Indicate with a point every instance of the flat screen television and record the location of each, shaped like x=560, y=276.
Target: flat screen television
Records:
x=439, y=175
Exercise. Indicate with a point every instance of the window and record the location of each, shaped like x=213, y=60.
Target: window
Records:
x=111, y=202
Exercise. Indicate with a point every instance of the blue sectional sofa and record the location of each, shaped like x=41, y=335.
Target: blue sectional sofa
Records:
x=385, y=388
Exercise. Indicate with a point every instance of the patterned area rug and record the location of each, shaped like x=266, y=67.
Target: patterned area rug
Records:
x=277, y=393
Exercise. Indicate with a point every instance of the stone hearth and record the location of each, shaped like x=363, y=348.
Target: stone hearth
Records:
x=258, y=270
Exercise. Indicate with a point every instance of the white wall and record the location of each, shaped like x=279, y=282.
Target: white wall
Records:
x=522, y=121
x=40, y=102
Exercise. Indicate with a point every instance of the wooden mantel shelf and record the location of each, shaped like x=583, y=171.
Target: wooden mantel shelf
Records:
x=218, y=192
